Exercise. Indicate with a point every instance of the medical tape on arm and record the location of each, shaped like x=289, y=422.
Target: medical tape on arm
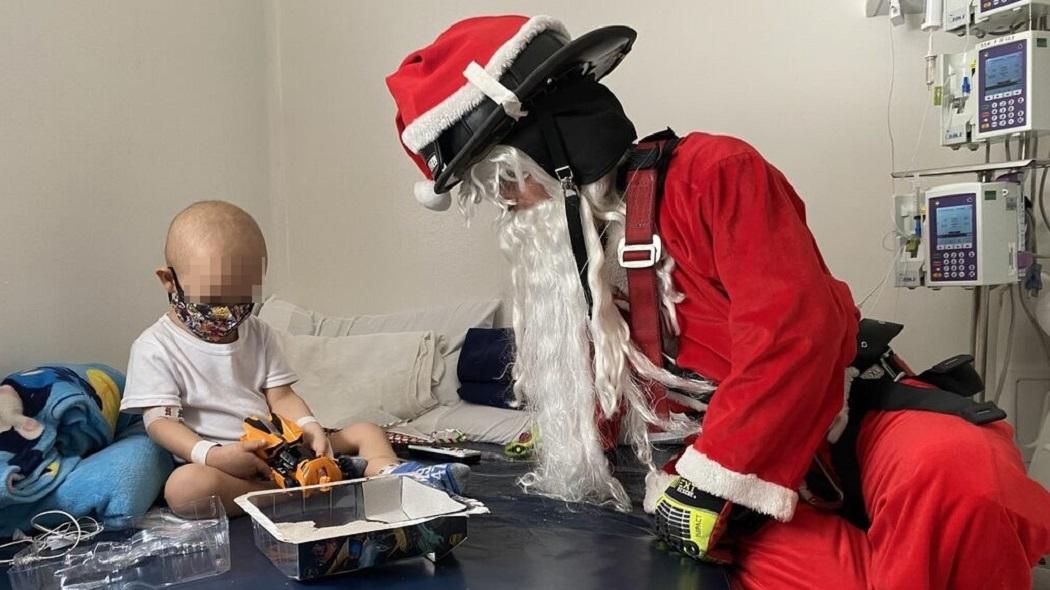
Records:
x=151, y=415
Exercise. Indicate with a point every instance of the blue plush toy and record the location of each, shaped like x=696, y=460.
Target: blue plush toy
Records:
x=65, y=445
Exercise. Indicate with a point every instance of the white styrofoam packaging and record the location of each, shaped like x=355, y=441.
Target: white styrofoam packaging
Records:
x=330, y=529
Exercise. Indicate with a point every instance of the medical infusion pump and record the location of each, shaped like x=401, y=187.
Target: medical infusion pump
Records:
x=1007, y=12
x=1013, y=85
x=972, y=233
x=990, y=16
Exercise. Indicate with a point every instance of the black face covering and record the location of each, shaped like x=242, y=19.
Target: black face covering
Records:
x=594, y=130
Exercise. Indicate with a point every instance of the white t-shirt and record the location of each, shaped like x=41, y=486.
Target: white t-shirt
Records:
x=216, y=385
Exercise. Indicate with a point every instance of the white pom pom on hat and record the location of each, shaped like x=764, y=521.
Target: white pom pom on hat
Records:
x=426, y=196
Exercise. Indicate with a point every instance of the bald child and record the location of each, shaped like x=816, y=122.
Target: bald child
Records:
x=207, y=364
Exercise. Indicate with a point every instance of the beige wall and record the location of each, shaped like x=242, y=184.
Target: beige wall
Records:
x=113, y=116
x=117, y=114
x=809, y=88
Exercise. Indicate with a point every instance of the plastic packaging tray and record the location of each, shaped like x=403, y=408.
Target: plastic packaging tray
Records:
x=161, y=549
x=331, y=529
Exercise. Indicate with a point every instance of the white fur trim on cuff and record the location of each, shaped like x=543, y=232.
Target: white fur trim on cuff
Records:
x=428, y=126
x=744, y=489
x=656, y=481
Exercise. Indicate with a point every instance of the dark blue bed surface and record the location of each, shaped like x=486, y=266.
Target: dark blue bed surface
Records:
x=526, y=542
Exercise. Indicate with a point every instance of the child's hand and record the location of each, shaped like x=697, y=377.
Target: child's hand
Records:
x=239, y=460
x=317, y=439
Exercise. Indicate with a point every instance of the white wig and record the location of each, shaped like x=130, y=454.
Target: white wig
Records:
x=568, y=366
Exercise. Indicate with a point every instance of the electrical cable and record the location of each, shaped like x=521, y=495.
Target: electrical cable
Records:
x=1009, y=343
x=893, y=163
x=1044, y=338
x=59, y=537
x=922, y=126
x=881, y=285
x=889, y=102
x=1041, y=200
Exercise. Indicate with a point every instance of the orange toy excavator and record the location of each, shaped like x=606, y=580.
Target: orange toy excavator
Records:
x=292, y=463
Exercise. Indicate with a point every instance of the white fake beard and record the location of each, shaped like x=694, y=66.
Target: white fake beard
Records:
x=553, y=369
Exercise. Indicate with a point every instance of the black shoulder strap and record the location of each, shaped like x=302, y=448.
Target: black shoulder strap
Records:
x=900, y=396
x=873, y=341
x=556, y=149
x=653, y=151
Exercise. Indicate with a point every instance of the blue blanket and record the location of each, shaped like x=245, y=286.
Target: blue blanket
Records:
x=71, y=462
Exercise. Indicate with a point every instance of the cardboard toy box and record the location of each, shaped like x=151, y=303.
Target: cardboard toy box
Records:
x=331, y=529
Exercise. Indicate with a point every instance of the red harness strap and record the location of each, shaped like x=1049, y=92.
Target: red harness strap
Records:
x=640, y=252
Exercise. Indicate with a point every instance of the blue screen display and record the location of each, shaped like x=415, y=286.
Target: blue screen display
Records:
x=955, y=224
x=1005, y=73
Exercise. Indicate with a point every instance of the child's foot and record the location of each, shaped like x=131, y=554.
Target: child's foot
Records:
x=450, y=477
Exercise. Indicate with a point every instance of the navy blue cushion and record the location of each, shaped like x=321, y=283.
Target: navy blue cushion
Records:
x=486, y=356
x=484, y=366
x=487, y=394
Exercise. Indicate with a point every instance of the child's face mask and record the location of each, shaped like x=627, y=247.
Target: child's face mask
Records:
x=208, y=321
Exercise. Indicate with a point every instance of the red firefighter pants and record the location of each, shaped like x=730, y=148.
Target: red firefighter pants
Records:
x=950, y=507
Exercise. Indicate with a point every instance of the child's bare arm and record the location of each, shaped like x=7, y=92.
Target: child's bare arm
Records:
x=237, y=459
x=173, y=436
x=284, y=401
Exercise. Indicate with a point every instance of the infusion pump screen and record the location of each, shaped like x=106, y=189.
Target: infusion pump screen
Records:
x=1004, y=73
x=955, y=224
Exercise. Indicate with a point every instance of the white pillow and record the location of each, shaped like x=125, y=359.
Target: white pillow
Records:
x=343, y=378
x=452, y=322
x=480, y=423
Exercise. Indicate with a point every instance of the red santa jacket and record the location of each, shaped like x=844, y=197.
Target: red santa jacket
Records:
x=762, y=317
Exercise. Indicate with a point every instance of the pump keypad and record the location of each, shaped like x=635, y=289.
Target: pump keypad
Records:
x=955, y=262
x=1003, y=111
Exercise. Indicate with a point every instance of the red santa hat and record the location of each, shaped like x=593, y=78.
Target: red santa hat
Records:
x=457, y=97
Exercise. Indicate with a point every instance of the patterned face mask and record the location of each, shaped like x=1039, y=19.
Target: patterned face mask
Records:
x=209, y=322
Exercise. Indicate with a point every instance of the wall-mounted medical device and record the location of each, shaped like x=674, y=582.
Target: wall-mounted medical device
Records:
x=1013, y=85
x=972, y=234
x=957, y=14
x=909, y=269
x=1007, y=13
x=953, y=92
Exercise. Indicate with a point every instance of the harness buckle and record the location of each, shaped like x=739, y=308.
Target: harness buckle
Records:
x=983, y=413
x=888, y=361
x=567, y=180
x=565, y=176
x=654, y=249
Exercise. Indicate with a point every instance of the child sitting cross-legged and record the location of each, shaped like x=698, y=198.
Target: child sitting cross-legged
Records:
x=207, y=364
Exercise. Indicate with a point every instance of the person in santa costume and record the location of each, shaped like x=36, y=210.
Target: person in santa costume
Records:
x=761, y=339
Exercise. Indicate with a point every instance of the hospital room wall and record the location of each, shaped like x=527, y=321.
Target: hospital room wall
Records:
x=114, y=116
x=809, y=88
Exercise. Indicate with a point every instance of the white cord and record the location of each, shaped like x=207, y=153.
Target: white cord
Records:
x=1008, y=296
x=67, y=535
x=889, y=106
x=969, y=43
x=880, y=286
x=922, y=129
